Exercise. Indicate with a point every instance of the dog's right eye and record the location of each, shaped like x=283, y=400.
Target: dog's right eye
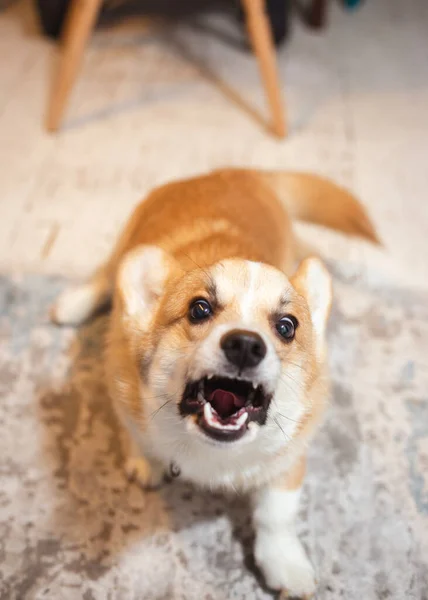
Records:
x=200, y=310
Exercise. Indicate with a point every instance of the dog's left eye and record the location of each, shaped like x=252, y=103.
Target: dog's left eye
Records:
x=286, y=327
x=200, y=310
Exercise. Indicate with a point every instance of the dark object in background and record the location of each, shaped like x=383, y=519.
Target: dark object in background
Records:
x=316, y=14
x=279, y=12
x=352, y=3
x=52, y=15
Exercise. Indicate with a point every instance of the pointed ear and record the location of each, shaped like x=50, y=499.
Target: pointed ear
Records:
x=313, y=281
x=141, y=281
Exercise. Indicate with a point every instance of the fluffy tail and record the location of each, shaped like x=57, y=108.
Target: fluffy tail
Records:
x=316, y=200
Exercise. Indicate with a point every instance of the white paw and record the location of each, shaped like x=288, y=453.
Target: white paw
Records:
x=147, y=474
x=74, y=305
x=284, y=564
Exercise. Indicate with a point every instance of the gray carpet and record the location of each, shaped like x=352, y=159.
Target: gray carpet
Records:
x=72, y=526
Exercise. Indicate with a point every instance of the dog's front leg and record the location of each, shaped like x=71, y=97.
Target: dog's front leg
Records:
x=147, y=472
x=140, y=467
x=278, y=551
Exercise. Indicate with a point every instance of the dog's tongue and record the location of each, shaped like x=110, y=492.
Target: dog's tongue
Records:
x=225, y=403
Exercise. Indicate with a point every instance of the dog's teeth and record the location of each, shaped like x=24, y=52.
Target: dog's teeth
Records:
x=254, y=385
x=210, y=418
x=201, y=397
x=210, y=376
x=233, y=426
x=208, y=414
x=241, y=420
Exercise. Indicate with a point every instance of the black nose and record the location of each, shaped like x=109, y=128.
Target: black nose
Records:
x=245, y=349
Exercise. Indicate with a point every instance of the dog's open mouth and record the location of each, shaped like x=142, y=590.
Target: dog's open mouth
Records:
x=225, y=407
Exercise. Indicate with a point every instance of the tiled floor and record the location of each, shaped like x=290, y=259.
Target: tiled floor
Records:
x=154, y=103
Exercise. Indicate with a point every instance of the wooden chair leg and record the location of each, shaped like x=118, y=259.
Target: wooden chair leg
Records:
x=79, y=24
x=262, y=42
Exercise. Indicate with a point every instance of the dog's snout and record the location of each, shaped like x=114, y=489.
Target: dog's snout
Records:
x=244, y=349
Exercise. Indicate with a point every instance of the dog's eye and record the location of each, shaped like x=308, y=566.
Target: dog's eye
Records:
x=286, y=327
x=200, y=310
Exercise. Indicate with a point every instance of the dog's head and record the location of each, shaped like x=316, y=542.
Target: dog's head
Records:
x=229, y=352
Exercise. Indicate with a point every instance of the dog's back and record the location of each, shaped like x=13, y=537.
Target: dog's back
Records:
x=226, y=213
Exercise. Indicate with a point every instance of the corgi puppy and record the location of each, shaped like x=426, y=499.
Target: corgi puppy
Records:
x=216, y=352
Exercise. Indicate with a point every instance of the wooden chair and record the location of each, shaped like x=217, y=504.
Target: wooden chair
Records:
x=81, y=19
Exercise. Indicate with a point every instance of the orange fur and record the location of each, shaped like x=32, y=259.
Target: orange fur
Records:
x=295, y=476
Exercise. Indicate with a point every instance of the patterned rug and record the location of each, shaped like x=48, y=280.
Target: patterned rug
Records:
x=72, y=526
